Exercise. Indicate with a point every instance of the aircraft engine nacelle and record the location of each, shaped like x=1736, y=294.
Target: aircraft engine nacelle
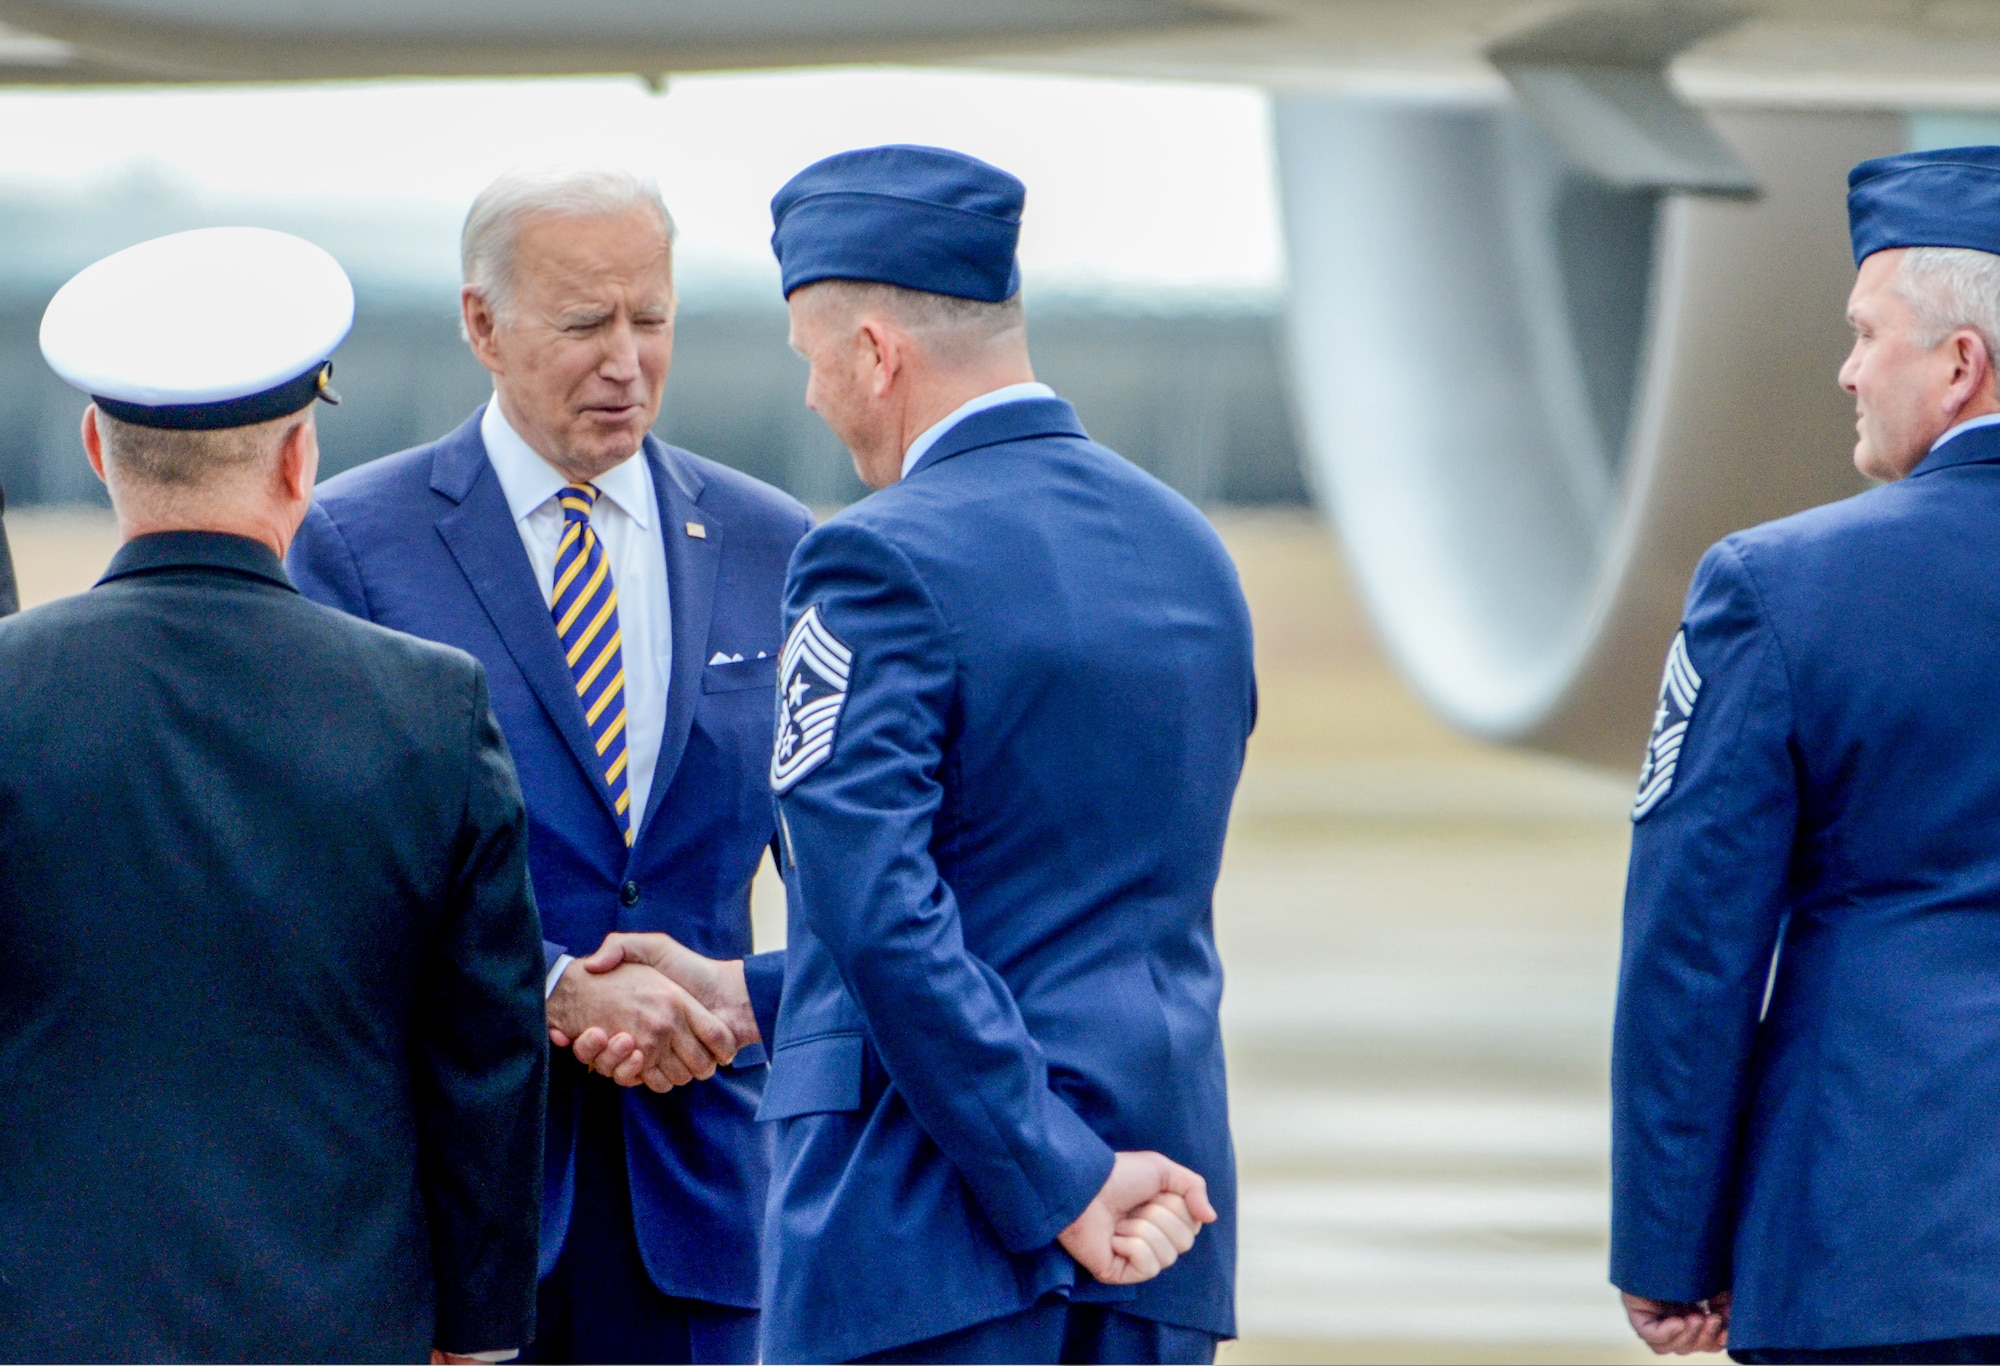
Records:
x=1531, y=399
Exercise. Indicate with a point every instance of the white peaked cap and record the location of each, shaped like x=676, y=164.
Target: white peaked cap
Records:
x=219, y=327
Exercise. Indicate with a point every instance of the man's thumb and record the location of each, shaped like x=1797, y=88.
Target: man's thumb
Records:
x=608, y=956
x=1190, y=1187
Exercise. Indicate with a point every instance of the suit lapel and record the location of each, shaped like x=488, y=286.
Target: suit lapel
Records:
x=481, y=535
x=692, y=562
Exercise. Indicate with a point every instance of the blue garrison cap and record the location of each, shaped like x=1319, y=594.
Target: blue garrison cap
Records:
x=1947, y=198
x=920, y=217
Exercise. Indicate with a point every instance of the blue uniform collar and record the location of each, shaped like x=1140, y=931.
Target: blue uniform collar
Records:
x=1020, y=420
x=1973, y=444
x=197, y=550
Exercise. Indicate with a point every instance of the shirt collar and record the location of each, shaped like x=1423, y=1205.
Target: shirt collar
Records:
x=993, y=398
x=528, y=480
x=1990, y=420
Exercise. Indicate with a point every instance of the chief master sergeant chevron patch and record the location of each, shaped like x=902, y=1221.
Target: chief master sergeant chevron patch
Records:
x=812, y=687
x=1678, y=691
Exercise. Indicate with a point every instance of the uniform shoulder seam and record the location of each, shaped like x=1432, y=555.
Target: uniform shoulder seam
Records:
x=1765, y=620
x=866, y=532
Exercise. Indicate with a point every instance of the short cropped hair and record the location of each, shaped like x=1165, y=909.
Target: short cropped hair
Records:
x=941, y=321
x=1953, y=287
x=493, y=225
x=167, y=458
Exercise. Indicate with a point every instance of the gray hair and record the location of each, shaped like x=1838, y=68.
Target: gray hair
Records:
x=941, y=322
x=493, y=224
x=1953, y=287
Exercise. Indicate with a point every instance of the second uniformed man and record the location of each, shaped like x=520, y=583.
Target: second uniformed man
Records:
x=1015, y=693
x=1803, y=1151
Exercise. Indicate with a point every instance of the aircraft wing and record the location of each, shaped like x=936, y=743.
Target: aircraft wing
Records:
x=1567, y=275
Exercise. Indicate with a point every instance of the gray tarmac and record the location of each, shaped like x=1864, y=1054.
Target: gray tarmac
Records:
x=1421, y=937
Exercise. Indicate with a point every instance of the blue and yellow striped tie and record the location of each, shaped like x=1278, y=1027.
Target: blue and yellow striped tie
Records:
x=585, y=605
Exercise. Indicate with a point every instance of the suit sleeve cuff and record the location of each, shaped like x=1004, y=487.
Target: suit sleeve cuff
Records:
x=764, y=979
x=556, y=969
x=1072, y=1169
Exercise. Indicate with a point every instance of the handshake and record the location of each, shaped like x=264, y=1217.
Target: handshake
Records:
x=644, y=1010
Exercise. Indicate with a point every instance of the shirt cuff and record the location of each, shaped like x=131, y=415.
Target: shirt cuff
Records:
x=563, y=960
x=508, y=1355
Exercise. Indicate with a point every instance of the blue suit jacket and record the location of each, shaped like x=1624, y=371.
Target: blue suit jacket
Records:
x=1001, y=858
x=1836, y=788
x=423, y=541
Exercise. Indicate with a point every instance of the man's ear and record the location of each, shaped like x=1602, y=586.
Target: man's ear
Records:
x=1972, y=368
x=477, y=316
x=298, y=460
x=93, y=443
x=1985, y=380
x=882, y=355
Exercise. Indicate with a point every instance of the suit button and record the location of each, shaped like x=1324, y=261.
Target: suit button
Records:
x=628, y=895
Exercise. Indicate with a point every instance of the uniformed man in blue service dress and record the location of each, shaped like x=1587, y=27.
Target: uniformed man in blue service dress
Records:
x=626, y=598
x=1806, y=1075
x=1014, y=697
x=271, y=1046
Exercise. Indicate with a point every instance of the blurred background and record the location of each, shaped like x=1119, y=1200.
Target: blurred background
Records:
x=1420, y=931
x=1151, y=250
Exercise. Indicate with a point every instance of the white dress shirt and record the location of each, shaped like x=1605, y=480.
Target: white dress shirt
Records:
x=992, y=398
x=626, y=519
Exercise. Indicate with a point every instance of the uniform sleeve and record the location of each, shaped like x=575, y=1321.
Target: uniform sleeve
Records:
x=858, y=812
x=322, y=566
x=764, y=980
x=481, y=1060
x=1704, y=903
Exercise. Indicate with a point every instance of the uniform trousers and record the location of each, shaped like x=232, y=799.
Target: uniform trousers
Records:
x=1055, y=1330
x=1952, y=1350
x=599, y=1304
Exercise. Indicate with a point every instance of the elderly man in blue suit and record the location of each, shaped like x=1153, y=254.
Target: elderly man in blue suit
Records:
x=1807, y=1061
x=625, y=598
x=1015, y=694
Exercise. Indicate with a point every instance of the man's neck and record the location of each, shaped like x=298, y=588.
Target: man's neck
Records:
x=268, y=530
x=1986, y=405
x=948, y=393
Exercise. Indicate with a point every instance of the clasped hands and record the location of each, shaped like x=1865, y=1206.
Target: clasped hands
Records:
x=643, y=1010
x=646, y=1009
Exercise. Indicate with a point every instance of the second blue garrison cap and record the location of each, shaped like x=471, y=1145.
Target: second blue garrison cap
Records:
x=920, y=217
x=1946, y=198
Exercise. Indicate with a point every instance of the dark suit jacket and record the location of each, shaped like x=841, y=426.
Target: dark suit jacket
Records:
x=423, y=541
x=270, y=1008
x=1818, y=1135
x=1017, y=699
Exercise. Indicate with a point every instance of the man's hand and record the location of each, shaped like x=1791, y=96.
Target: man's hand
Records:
x=665, y=1037
x=1146, y=1216
x=717, y=983
x=1678, y=1329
